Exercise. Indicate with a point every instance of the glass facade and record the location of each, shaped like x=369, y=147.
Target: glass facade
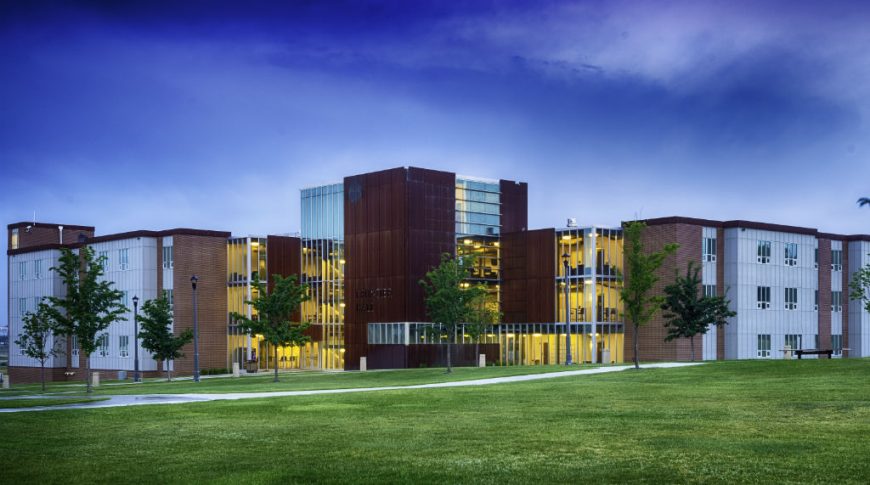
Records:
x=594, y=279
x=478, y=226
x=323, y=262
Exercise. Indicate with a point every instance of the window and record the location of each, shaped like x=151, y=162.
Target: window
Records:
x=710, y=290
x=123, y=259
x=791, y=254
x=13, y=243
x=837, y=344
x=125, y=298
x=37, y=269
x=104, y=258
x=75, y=346
x=836, y=301
x=709, y=249
x=104, y=345
x=793, y=342
x=22, y=270
x=764, y=346
x=763, y=296
x=170, y=298
x=791, y=299
x=763, y=252
x=168, y=262
x=817, y=342
x=22, y=307
x=837, y=259
x=816, y=259
x=124, y=345
x=816, y=304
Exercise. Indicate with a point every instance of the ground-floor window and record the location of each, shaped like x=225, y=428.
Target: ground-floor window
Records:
x=793, y=342
x=764, y=345
x=124, y=345
x=837, y=344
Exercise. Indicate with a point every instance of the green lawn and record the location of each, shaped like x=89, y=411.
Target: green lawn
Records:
x=32, y=403
x=774, y=421
x=290, y=381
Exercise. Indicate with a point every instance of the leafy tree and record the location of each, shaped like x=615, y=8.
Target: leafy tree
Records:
x=450, y=301
x=90, y=305
x=481, y=318
x=860, y=286
x=36, y=337
x=155, y=325
x=274, y=313
x=690, y=312
x=640, y=267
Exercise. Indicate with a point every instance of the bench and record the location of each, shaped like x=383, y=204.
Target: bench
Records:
x=827, y=352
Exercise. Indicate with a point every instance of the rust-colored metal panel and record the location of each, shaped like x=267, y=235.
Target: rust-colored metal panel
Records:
x=283, y=256
x=528, y=276
x=514, y=206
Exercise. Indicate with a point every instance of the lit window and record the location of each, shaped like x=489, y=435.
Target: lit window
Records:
x=123, y=259
x=763, y=252
x=168, y=262
x=791, y=301
x=763, y=346
x=794, y=342
x=124, y=345
x=836, y=301
x=791, y=254
x=763, y=297
x=709, y=249
x=837, y=259
x=13, y=243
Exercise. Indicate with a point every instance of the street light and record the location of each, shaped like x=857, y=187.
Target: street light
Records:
x=565, y=258
x=136, y=377
x=193, y=280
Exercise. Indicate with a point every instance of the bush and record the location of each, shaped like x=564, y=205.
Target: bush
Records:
x=213, y=372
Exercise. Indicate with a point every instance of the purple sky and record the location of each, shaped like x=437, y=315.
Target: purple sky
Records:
x=151, y=115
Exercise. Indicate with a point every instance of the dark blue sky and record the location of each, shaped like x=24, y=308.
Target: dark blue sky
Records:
x=129, y=115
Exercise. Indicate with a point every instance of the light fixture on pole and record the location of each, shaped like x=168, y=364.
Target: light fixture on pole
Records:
x=193, y=280
x=136, y=376
x=568, y=360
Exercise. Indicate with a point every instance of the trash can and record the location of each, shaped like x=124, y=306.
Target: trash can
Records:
x=605, y=356
x=122, y=375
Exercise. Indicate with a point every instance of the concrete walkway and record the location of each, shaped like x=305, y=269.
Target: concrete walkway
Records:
x=138, y=400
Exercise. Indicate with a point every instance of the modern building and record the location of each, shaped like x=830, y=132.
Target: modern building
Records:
x=367, y=241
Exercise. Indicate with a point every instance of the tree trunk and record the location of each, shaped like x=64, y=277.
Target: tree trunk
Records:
x=634, y=337
x=168, y=372
x=692, y=344
x=449, y=351
x=477, y=353
x=42, y=373
x=275, y=363
x=88, y=372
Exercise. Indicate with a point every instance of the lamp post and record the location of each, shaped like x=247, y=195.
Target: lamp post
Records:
x=136, y=377
x=568, y=361
x=193, y=280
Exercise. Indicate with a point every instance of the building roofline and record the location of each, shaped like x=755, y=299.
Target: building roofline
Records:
x=73, y=227
x=179, y=231
x=765, y=226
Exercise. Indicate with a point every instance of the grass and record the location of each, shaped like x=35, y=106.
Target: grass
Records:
x=773, y=421
x=32, y=403
x=290, y=381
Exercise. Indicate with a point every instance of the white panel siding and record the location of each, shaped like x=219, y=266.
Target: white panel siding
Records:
x=859, y=318
x=708, y=277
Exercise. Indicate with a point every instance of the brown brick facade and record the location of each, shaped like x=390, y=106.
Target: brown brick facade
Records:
x=206, y=257
x=824, y=288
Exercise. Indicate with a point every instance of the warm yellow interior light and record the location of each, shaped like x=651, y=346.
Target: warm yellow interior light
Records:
x=566, y=237
x=467, y=242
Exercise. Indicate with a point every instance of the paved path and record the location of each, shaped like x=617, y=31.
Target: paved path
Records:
x=138, y=400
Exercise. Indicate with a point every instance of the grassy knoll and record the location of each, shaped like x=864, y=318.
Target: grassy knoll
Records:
x=774, y=421
x=291, y=381
x=32, y=403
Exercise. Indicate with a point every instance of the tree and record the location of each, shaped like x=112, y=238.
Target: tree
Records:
x=155, y=325
x=640, y=268
x=450, y=300
x=90, y=305
x=860, y=287
x=36, y=336
x=690, y=312
x=481, y=318
x=274, y=312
